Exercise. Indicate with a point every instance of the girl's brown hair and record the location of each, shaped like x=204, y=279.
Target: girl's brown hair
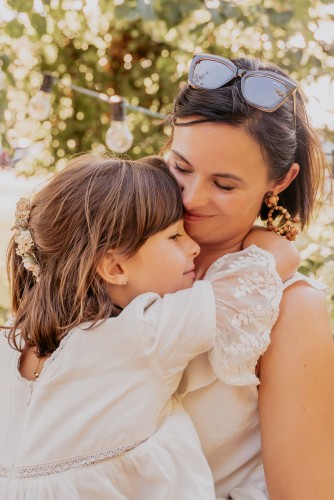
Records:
x=95, y=204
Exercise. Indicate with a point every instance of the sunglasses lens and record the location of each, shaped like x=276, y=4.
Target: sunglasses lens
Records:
x=263, y=91
x=209, y=74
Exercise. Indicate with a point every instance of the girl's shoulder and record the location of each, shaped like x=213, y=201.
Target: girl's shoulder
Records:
x=4, y=331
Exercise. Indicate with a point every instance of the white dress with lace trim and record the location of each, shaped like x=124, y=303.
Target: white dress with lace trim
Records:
x=101, y=420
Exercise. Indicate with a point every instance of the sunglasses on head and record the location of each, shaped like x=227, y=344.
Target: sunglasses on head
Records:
x=264, y=90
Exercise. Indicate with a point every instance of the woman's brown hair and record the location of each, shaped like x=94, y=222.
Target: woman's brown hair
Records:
x=95, y=204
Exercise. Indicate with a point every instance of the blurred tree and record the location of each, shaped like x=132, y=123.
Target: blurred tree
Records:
x=140, y=49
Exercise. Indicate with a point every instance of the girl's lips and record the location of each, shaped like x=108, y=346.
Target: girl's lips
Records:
x=191, y=274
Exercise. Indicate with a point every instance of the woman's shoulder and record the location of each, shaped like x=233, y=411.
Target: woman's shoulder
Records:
x=304, y=281
x=303, y=323
x=304, y=307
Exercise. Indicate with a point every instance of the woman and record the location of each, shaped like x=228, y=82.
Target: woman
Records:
x=240, y=131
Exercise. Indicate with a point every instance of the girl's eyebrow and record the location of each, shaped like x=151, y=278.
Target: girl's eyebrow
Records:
x=226, y=175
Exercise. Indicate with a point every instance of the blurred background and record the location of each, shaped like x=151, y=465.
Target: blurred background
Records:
x=92, y=51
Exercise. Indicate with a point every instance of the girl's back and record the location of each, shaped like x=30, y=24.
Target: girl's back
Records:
x=97, y=398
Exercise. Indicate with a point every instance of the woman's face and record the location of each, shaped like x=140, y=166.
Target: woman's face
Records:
x=223, y=177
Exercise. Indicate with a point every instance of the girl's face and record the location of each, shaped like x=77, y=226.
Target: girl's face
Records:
x=164, y=264
x=223, y=177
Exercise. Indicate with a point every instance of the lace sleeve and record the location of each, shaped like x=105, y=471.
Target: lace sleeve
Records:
x=248, y=292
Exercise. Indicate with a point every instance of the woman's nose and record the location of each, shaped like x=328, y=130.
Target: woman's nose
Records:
x=193, y=195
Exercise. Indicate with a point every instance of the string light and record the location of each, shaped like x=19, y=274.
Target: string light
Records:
x=118, y=137
x=40, y=105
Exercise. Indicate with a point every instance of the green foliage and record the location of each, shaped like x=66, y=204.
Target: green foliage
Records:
x=15, y=28
x=141, y=50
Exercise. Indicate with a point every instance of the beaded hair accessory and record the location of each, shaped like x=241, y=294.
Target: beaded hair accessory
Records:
x=23, y=238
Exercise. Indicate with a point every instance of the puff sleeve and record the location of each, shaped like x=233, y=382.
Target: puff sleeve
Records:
x=177, y=327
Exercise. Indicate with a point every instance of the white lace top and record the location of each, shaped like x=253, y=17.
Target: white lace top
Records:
x=101, y=421
x=226, y=416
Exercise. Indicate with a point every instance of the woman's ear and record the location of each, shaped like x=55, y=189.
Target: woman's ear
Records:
x=110, y=269
x=281, y=185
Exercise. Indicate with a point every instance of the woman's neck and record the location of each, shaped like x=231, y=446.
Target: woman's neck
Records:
x=210, y=253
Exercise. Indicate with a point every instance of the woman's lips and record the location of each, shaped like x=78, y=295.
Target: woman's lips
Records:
x=191, y=217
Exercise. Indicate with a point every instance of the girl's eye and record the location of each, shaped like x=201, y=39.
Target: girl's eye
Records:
x=175, y=236
x=180, y=169
x=223, y=188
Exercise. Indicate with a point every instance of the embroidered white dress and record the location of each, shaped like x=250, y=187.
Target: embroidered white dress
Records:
x=101, y=421
x=226, y=417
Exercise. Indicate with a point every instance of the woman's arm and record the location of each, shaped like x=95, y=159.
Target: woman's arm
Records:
x=296, y=399
x=286, y=255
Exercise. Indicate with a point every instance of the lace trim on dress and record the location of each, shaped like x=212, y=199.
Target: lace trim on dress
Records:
x=248, y=292
x=4, y=471
x=36, y=471
x=243, y=258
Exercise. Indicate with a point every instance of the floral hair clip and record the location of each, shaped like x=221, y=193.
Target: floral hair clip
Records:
x=24, y=239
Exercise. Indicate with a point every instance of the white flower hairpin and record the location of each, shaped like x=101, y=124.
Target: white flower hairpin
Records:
x=24, y=239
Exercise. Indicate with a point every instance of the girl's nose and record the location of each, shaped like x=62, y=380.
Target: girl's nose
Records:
x=197, y=250
x=193, y=247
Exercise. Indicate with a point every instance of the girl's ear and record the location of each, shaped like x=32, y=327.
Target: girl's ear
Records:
x=111, y=270
x=281, y=185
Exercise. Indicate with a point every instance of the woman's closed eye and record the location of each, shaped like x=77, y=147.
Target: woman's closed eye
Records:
x=222, y=187
x=180, y=169
x=184, y=171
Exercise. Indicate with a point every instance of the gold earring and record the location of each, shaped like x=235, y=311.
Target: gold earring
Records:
x=124, y=281
x=287, y=225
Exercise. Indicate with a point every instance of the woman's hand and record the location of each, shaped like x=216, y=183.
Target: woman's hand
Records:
x=296, y=399
x=285, y=253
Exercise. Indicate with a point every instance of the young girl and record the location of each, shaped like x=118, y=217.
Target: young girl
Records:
x=87, y=406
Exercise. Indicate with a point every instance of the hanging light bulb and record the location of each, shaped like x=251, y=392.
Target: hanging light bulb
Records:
x=40, y=105
x=118, y=137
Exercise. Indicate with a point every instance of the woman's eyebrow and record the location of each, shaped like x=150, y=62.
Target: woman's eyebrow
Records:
x=225, y=175
x=228, y=176
x=176, y=153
